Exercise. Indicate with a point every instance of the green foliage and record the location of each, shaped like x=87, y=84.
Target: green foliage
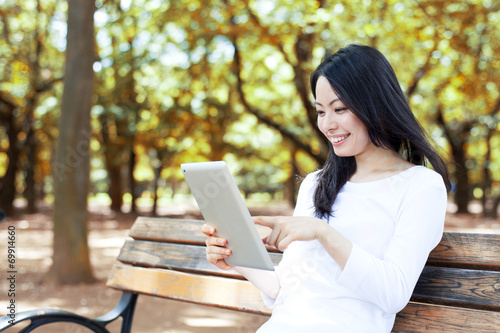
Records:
x=190, y=80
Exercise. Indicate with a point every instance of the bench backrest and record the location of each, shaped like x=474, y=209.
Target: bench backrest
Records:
x=459, y=289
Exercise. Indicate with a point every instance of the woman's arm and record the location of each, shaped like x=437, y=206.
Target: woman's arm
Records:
x=266, y=281
x=286, y=229
x=387, y=281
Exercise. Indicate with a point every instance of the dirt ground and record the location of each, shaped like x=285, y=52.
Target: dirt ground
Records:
x=108, y=231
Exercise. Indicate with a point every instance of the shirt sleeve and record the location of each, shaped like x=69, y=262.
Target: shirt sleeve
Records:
x=389, y=281
x=304, y=207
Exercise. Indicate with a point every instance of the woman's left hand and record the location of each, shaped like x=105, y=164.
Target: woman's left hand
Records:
x=286, y=229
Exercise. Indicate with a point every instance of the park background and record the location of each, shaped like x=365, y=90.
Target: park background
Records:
x=101, y=101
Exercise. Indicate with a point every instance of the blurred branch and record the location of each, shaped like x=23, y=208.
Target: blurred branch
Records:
x=6, y=28
x=420, y=74
x=46, y=86
x=442, y=123
x=265, y=30
x=5, y=100
x=237, y=72
x=303, y=47
x=424, y=10
x=496, y=107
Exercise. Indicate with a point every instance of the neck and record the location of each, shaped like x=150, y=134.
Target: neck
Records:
x=379, y=164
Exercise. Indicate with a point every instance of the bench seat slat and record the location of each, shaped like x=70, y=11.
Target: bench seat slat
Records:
x=417, y=317
x=208, y=290
x=446, y=286
x=168, y=230
x=177, y=231
x=467, y=250
x=459, y=287
x=176, y=256
x=241, y=295
x=459, y=290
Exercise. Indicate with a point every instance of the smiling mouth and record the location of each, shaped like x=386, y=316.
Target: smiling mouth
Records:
x=340, y=138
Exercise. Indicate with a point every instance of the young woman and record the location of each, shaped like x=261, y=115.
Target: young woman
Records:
x=365, y=224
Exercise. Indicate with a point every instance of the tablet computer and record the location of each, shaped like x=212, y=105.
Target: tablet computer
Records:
x=222, y=206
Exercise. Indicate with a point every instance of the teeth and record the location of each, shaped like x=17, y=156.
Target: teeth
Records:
x=335, y=140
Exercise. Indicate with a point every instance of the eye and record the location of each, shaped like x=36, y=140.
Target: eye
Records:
x=320, y=113
x=340, y=110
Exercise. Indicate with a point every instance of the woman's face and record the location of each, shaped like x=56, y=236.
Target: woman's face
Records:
x=344, y=130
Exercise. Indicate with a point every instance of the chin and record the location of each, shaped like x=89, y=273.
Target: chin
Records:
x=342, y=154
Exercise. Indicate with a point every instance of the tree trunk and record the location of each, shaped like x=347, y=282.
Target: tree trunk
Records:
x=8, y=181
x=115, y=184
x=131, y=168
x=30, y=191
x=291, y=184
x=114, y=168
x=157, y=170
x=71, y=263
x=462, y=177
x=457, y=140
x=489, y=201
x=493, y=211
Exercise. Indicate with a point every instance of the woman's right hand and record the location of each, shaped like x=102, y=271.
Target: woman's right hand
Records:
x=216, y=250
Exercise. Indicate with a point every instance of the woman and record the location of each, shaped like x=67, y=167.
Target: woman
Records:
x=365, y=224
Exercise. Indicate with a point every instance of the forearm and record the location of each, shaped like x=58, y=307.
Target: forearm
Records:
x=335, y=244
x=265, y=281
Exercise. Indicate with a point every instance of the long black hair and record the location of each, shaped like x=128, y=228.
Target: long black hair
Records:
x=365, y=82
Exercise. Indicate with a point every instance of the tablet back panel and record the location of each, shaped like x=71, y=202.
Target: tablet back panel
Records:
x=222, y=206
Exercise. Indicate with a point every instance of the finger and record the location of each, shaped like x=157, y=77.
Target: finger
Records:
x=222, y=264
x=216, y=241
x=218, y=250
x=273, y=237
x=283, y=243
x=207, y=229
x=266, y=221
x=214, y=258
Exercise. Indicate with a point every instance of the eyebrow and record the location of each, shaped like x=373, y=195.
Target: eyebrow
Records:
x=333, y=101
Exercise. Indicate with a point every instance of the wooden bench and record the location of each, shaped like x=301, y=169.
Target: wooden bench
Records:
x=459, y=290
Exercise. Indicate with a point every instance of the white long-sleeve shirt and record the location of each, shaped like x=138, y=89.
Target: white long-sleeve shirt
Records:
x=393, y=224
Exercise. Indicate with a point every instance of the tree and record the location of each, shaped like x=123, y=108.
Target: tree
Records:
x=28, y=77
x=71, y=262
x=206, y=80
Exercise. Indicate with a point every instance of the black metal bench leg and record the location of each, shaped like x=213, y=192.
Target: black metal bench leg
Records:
x=125, y=309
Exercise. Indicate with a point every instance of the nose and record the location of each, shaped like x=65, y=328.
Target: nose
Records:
x=328, y=124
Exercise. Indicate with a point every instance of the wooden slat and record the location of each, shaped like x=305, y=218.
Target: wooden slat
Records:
x=459, y=287
x=446, y=286
x=168, y=230
x=468, y=251
x=476, y=284
x=208, y=290
x=434, y=318
x=176, y=256
x=242, y=296
x=182, y=231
